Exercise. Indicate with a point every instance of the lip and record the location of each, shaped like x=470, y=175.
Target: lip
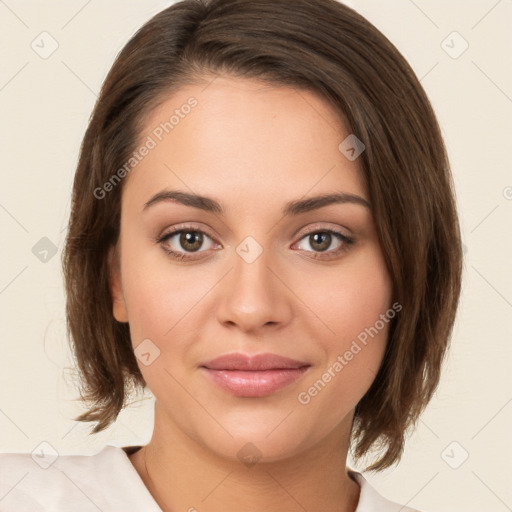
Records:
x=254, y=376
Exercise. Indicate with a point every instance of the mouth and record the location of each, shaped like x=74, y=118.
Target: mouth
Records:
x=254, y=376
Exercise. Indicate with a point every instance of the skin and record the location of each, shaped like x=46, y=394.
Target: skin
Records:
x=252, y=147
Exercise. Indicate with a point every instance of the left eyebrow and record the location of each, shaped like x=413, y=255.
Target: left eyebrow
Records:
x=291, y=208
x=313, y=203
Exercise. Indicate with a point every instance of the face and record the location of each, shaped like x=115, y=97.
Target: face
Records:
x=244, y=272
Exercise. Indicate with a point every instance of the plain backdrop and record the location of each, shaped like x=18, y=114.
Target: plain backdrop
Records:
x=459, y=457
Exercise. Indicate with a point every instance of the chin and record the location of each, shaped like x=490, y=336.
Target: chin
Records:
x=256, y=438
x=255, y=447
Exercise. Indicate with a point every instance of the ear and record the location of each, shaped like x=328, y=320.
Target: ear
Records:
x=116, y=290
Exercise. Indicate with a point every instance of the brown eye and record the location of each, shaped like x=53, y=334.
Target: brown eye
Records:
x=191, y=240
x=320, y=241
x=182, y=243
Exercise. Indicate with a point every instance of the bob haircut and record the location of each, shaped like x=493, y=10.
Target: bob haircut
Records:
x=320, y=46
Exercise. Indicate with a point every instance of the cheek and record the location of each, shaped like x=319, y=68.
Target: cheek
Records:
x=157, y=310
x=356, y=306
x=152, y=304
x=351, y=299
x=164, y=302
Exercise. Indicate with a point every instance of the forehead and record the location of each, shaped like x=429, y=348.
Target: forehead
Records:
x=241, y=137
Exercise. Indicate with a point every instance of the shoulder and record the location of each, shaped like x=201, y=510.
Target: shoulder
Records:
x=45, y=480
x=371, y=501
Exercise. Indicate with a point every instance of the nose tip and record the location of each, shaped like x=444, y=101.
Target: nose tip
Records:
x=251, y=296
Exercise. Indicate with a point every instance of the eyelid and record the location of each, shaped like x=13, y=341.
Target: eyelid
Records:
x=184, y=227
x=322, y=226
x=310, y=229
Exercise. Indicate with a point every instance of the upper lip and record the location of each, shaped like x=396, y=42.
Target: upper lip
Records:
x=238, y=361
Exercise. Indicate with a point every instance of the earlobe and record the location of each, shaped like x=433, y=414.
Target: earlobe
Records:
x=116, y=290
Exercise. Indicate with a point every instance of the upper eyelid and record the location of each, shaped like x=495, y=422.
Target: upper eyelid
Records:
x=172, y=231
x=315, y=226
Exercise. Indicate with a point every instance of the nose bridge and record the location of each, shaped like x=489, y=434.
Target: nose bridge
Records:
x=252, y=296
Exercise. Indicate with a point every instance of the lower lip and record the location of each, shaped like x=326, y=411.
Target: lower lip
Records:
x=254, y=383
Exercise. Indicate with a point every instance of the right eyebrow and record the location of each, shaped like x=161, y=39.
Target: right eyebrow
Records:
x=196, y=201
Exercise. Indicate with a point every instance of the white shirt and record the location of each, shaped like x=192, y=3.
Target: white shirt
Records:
x=104, y=482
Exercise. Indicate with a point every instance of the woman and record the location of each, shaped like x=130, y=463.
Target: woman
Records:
x=263, y=232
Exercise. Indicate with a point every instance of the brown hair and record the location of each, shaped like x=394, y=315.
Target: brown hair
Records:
x=316, y=45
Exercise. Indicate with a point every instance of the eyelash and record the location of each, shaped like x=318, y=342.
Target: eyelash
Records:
x=346, y=242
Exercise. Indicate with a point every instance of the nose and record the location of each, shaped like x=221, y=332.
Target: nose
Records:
x=253, y=295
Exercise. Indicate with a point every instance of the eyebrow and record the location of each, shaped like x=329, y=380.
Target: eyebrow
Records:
x=297, y=207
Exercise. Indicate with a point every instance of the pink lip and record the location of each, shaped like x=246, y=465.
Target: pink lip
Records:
x=254, y=376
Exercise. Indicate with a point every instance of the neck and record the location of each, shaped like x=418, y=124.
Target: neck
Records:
x=183, y=475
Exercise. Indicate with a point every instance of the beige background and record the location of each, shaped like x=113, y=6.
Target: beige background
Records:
x=45, y=104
